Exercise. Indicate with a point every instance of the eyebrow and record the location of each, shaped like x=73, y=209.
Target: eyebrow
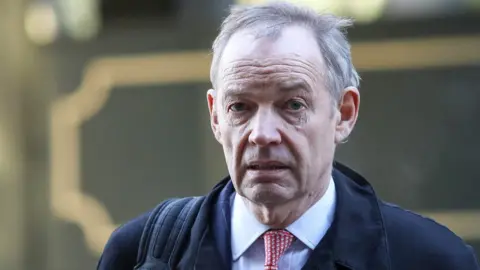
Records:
x=232, y=92
x=294, y=85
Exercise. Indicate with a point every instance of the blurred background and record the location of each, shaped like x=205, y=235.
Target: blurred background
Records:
x=103, y=115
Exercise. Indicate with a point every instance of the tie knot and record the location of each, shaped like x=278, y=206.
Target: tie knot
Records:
x=276, y=243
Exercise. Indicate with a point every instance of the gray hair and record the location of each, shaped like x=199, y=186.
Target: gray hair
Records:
x=270, y=19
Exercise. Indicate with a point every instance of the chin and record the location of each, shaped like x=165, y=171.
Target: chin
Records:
x=268, y=194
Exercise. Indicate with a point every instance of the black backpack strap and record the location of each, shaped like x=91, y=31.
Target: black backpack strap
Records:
x=166, y=231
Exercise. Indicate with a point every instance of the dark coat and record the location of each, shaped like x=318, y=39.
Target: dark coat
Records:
x=366, y=234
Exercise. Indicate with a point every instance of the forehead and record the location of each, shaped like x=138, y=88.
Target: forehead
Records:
x=294, y=51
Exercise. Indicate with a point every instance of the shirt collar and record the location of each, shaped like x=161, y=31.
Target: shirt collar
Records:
x=246, y=229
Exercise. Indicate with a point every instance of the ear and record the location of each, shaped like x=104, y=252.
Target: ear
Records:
x=211, y=100
x=348, y=107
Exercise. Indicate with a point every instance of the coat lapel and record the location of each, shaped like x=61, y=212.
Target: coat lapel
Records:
x=215, y=250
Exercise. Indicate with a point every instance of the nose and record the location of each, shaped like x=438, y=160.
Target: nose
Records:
x=265, y=129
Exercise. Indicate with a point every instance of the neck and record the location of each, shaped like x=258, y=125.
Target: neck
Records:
x=280, y=216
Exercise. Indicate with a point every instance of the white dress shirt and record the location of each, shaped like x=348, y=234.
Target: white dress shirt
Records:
x=248, y=250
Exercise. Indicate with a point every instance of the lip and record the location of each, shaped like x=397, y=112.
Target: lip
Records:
x=266, y=176
x=266, y=171
x=266, y=166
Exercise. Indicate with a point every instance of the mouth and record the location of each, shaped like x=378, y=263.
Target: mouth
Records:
x=266, y=166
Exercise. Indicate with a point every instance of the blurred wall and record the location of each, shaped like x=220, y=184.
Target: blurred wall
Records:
x=25, y=92
x=11, y=178
x=145, y=142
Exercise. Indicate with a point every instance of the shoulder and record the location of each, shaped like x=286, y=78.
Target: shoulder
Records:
x=421, y=241
x=120, y=252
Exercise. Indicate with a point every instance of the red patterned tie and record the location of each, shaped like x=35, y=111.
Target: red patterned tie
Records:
x=276, y=243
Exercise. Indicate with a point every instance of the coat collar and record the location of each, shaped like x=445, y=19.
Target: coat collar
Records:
x=357, y=237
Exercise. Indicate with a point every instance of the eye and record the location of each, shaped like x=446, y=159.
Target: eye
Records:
x=294, y=105
x=237, y=107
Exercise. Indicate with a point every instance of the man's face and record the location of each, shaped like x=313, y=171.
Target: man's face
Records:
x=275, y=119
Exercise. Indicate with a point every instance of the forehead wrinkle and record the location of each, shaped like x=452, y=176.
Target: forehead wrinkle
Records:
x=283, y=80
x=245, y=75
x=264, y=62
x=249, y=76
x=268, y=72
x=269, y=65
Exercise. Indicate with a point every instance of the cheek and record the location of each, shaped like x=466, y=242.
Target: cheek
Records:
x=231, y=140
x=321, y=138
x=226, y=141
x=229, y=135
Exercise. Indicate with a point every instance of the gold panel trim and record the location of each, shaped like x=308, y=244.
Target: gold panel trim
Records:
x=70, y=203
x=466, y=223
x=417, y=53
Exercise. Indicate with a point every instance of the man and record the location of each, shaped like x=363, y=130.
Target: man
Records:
x=285, y=94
